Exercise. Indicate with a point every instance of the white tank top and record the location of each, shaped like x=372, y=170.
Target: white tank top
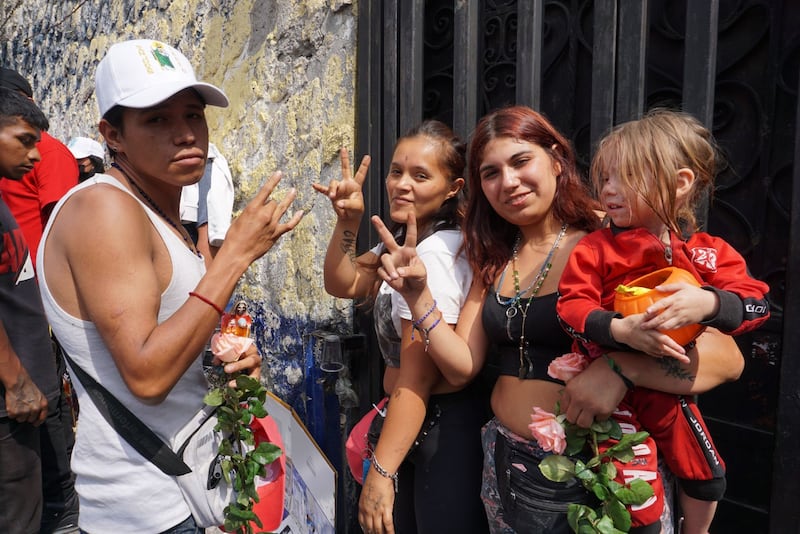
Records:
x=119, y=490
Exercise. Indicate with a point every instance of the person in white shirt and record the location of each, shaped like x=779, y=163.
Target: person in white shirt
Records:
x=207, y=206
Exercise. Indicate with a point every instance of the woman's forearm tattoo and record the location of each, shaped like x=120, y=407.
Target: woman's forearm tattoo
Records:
x=673, y=368
x=348, y=244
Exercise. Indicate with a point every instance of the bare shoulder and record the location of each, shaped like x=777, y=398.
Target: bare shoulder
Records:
x=101, y=232
x=98, y=214
x=100, y=236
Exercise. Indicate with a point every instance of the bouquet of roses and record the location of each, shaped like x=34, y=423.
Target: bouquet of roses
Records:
x=554, y=433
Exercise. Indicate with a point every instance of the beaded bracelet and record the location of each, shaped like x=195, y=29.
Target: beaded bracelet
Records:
x=384, y=473
x=618, y=370
x=207, y=301
x=416, y=325
x=426, y=331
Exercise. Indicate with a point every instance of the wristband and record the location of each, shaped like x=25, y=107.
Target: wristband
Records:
x=207, y=301
x=417, y=325
x=618, y=370
x=426, y=331
x=425, y=316
x=384, y=473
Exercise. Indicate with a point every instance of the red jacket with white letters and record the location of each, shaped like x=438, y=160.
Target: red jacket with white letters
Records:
x=611, y=256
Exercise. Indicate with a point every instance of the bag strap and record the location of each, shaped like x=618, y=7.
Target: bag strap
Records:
x=126, y=424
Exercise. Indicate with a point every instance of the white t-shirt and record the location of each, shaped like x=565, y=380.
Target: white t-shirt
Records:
x=211, y=199
x=449, y=279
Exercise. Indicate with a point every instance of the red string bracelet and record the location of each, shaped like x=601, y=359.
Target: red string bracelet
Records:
x=207, y=301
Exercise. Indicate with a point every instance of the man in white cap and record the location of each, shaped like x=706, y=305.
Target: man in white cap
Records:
x=125, y=290
x=89, y=155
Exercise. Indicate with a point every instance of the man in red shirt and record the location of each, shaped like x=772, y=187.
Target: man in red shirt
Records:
x=32, y=199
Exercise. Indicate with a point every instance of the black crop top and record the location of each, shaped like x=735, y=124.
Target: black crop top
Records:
x=546, y=339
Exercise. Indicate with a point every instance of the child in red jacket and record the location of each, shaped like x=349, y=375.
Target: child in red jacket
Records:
x=649, y=174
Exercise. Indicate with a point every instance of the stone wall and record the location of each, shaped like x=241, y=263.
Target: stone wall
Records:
x=288, y=68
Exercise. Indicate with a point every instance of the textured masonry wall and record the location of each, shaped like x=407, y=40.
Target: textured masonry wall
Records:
x=288, y=68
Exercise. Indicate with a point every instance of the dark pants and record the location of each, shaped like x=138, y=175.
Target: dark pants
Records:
x=20, y=478
x=440, y=481
x=58, y=482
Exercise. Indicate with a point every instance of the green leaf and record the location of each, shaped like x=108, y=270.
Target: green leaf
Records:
x=242, y=514
x=226, y=413
x=557, y=468
x=606, y=526
x=617, y=512
x=616, y=431
x=608, y=470
x=641, y=489
x=226, y=470
x=625, y=495
x=624, y=456
x=258, y=410
x=213, y=397
x=600, y=492
x=584, y=474
x=601, y=427
x=577, y=513
x=247, y=383
x=243, y=500
x=266, y=453
x=629, y=440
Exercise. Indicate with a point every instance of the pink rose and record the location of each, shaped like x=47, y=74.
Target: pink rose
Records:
x=567, y=366
x=547, y=431
x=229, y=347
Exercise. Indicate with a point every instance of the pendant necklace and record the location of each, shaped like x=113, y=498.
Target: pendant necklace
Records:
x=517, y=292
x=155, y=207
x=667, y=248
x=525, y=363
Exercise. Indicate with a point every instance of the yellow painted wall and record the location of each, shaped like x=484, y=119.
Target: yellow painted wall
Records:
x=288, y=68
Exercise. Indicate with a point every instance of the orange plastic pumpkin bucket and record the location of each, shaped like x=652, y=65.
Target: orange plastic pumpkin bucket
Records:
x=643, y=295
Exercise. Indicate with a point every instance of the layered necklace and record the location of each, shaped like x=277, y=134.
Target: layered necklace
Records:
x=155, y=207
x=515, y=304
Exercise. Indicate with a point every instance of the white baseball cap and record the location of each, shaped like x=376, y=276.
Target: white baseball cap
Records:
x=83, y=147
x=141, y=73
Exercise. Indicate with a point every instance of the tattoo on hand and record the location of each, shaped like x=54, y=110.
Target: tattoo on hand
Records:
x=673, y=368
x=348, y=245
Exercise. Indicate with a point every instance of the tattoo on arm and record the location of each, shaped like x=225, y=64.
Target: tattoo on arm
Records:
x=348, y=244
x=673, y=368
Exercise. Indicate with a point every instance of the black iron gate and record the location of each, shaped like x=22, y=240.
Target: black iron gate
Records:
x=591, y=64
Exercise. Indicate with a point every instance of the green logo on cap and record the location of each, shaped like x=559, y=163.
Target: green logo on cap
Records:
x=162, y=58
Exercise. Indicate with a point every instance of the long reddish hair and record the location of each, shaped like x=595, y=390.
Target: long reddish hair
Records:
x=488, y=238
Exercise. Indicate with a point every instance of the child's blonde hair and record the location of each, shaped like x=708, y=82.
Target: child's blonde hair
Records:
x=649, y=152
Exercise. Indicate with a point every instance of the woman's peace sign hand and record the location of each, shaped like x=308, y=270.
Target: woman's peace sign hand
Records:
x=345, y=194
x=401, y=268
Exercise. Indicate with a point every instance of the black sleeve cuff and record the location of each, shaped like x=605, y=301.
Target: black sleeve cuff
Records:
x=730, y=314
x=598, y=329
